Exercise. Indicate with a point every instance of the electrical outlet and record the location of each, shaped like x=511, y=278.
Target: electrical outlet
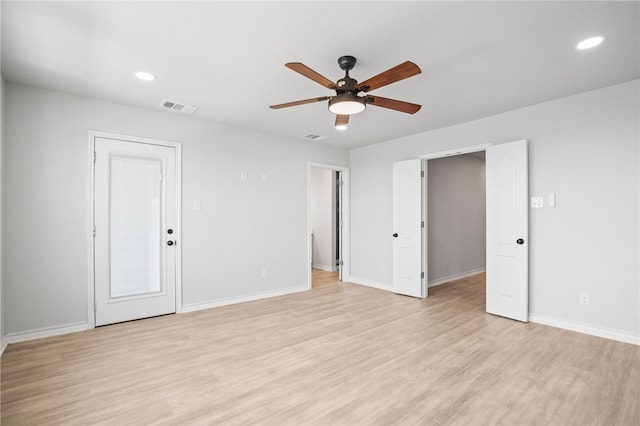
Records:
x=584, y=299
x=265, y=274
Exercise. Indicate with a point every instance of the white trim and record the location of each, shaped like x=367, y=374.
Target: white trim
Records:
x=23, y=336
x=241, y=299
x=457, y=151
x=454, y=277
x=327, y=268
x=370, y=283
x=424, y=235
x=346, y=220
x=3, y=345
x=178, y=230
x=607, y=333
x=92, y=135
x=91, y=318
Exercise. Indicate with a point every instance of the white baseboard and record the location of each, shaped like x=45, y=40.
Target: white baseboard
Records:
x=370, y=283
x=240, y=299
x=454, y=277
x=23, y=336
x=607, y=333
x=3, y=345
x=327, y=268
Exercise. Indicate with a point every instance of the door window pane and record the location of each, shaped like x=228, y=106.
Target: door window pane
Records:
x=135, y=226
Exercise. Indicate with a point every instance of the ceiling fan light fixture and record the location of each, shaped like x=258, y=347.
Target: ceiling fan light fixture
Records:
x=346, y=104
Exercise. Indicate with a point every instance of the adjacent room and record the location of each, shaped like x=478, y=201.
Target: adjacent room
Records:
x=320, y=213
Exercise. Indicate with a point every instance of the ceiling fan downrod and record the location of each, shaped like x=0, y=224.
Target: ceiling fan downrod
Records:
x=347, y=63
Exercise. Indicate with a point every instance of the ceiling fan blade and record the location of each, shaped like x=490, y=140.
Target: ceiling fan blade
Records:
x=295, y=103
x=342, y=120
x=401, y=106
x=311, y=74
x=400, y=72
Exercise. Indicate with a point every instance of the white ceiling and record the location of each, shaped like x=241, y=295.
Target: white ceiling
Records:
x=477, y=58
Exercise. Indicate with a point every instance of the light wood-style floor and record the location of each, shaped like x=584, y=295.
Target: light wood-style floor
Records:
x=321, y=278
x=340, y=354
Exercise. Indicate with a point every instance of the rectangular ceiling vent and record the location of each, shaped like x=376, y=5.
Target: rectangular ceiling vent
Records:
x=176, y=106
x=313, y=137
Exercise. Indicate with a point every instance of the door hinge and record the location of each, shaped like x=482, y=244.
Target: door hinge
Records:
x=340, y=262
x=94, y=156
x=95, y=306
x=421, y=173
x=161, y=177
x=421, y=275
x=341, y=183
x=94, y=231
x=422, y=224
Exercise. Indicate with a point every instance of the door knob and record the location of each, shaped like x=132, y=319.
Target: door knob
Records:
x=395, y=235
x=520, y=241
x=169, y=243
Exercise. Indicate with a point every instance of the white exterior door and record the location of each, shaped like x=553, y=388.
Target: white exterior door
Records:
x=407, y=228
x=135, y=210
x=507, y=230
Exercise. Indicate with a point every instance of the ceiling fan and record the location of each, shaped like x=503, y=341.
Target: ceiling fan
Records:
x=353, y=97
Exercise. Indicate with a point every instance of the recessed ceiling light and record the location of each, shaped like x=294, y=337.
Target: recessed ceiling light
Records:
x=142, y=75
x=341, y=127
x=590, y=42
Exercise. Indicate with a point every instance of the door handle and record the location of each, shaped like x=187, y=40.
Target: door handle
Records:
x=395, y=235
x=169, y=243
x=169, y=231
x=520, y=241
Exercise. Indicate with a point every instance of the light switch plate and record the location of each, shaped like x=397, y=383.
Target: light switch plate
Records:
x=552, y=200
x=197, y=204
x=537, y=202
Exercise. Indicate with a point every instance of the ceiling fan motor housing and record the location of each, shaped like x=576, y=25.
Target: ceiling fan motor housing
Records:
x=346, y=84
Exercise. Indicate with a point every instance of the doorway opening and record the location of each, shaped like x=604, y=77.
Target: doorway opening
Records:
x=328, y=227
x=507, y=227
x=455, y=215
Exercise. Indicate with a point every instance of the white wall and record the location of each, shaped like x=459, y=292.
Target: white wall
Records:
x=456, y=220
x=2, y=127
x=584, y=148
x=323, y=196
x=243, y=227
x=2, y=90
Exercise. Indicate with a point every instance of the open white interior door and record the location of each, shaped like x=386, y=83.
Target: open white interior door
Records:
x=507, y=230
x=407, y=228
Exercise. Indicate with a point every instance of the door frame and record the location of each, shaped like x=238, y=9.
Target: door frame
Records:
x=345, y=213
x=425, y=199
x=93, y=134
